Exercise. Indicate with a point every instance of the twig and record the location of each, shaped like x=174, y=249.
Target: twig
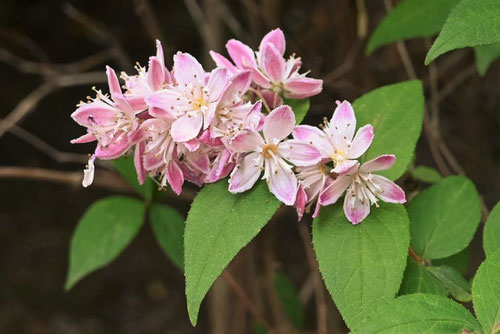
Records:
x=347, y=65
x=146, y=14
x=238, y=290
x=457, y=81
x=259, y=95
x=319, y=291
x=25, y=41
x=362, y=19
x=414, y=255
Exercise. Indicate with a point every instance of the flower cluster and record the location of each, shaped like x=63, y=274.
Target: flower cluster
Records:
x=198, y=126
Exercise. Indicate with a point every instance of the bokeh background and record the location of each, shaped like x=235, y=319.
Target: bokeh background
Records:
x=41, y=198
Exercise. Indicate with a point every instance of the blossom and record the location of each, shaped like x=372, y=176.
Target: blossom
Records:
x=363, y=188
x=270, y=71
x=312, y=181
x=270, y=153
x=88, y=172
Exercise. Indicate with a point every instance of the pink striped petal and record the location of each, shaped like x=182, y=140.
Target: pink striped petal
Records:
x=273, y=63
x=354, y=209
x=279, y=124
x=217, y=83
x=299, y=153
x=175, y=177
x=159, y=53
x=241, y=54
x=344, y=167
x=186, y=127
x=272, y=99
x=300, y=203
x=382, y=162
x=114, y=84
x=391, y=192
x=86, y=138
x=246, y=173
x=282, y=182
x=167, y=104
x=188, y=70
x=223, y=62
x=139, y=162
x=247, y=142
x=95, y=113
x=275, y=37
x=333, y=191
x=115, y=149
x=238, y=87
x=302, y=87
x=306, y=133
x=343, y=124
x=155, y=73
x=361, y=142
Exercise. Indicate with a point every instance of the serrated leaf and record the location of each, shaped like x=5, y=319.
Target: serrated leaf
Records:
x=485, y=55
x=418, y=279
x=362, y=265
x=105, y=229
x=486, y=292
x=460, y=261
x=471, y=23
x=396, y=112
x=410, y=19
x=218, y=225
x=289, y=299
x=444, y=217
x=453, y=281
x=426, y=174
x=421, y=313
x=125, y=166
x=491, y=232
x=168, y=228
x=299, y=107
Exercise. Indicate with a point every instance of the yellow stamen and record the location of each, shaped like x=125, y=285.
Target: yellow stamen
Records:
x=268, y=150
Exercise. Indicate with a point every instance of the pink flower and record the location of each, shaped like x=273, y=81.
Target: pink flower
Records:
x=110, y=121
x=363, y=188
x=275, y=75
x=312, y=181
x=191, y=101
x=269, y=153
x=336, y=141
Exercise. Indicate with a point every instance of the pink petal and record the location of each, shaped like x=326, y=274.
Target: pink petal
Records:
x=139, y=163
x=354, y=209
x=279, y=124
x=342, y=125
x=122, y=104
x=282, y=182
x=272, y=99
x=300, y=202
x=223, y=62
x=302, y=87
x=192, y=145
x=114, y=84
x=114, y=150
x=382, y=162
x=306, y=133
x=186, y=127
x=344, y=166
x=155, y=73
x=238, y=87
x=187, y=69
x=167, y=104
x=333, y=191
x=247, y=142
x=136, y=102
x=391, y=192
x=159, y=53
x=175, y=177
x=95, y=113
x=217, y=83
x=241, y=54
x=273, y=63
x=246, y=173
x=299, y=153
x=86, y=138
x=275, y=37
x=361, y=142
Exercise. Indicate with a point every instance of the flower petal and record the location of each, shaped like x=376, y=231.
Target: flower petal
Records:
x=246, y=173
x=355, y=209
x=155, y=73
x=167, y=104
x=361, y=142
x=382, y=162
x=247, y=142
x=300, y=202
x=114, y=84
x=302, y=87
x=273, y=63
x=238, y=87
x=279, y=124
x=223, y=62
x=344, y=166
x=241, y=54
x=188, y=70
x=299, y=153
x=342, y=125
x=186, y=127
x=86, y=138
x=94, y=113
x=306, y=133
x=88, y=172
x=217, y=83
x=333, y=191
x=391, y=192
x=139, y=163
x=175, y=177
x=275, y=37
x=282, y=182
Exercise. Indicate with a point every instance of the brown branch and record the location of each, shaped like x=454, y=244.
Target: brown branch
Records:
x=148, y=18
x=414, y=255
x=319, y=291
x=347, y=65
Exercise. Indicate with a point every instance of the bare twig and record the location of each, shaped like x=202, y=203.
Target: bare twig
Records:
x=259, y=95
x=319, y=291
x=347, y=65
x=147, y=16
x=24, y=41
x=459, y=79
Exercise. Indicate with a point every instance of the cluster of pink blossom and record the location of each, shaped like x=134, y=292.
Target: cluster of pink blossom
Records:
x=188, y=124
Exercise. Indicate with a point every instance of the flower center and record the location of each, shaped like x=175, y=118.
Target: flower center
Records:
x=277, y=88
x=268, y=150
x=200, y=103
x=338, y=156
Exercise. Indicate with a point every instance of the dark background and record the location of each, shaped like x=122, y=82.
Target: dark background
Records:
x=142, y=291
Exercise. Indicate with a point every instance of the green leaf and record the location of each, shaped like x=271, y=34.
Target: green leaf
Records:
x=444, y=217
x=396, y=112
x=421, y=313
x=125, y=166
x=471, y=23
x=485, y=55
x=491, y=233
x=486, y=293
x=362, y=265
x=418, y=279
x=453, y=281
x=289, y=299
x=410, y=19
x=105, y=229
x=218, y=225
x=299, y=107
x=459, y=261
x=426, y=174
x=168, y=228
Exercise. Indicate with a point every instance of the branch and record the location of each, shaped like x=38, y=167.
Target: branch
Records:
x=147, y=16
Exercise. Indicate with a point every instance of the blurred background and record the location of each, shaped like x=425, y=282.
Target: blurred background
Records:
x=53, y=52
